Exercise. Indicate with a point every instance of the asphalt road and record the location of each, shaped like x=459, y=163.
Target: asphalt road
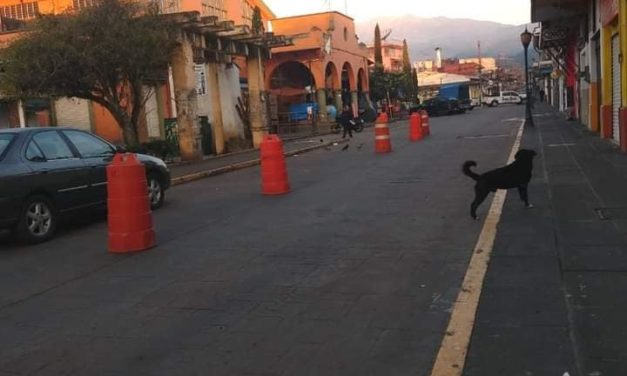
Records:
x=353, y=273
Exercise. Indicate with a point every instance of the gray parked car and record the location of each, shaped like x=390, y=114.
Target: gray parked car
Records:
x=49, y=172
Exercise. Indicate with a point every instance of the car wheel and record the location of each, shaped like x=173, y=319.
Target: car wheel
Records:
x=156, y=194
x=494, y=103
x=38, y=220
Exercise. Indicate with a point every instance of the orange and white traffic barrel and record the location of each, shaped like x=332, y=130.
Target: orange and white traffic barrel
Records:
x=382, y=142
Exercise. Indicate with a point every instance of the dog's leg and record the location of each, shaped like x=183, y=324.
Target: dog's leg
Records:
x=481, y=193
x=522, y=190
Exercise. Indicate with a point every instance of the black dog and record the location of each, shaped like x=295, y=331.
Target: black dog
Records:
x=515, y=175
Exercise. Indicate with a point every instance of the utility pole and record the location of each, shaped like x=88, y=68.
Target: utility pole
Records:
x=480, y=77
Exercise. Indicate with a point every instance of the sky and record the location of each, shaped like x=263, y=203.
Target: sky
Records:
x=513, y=12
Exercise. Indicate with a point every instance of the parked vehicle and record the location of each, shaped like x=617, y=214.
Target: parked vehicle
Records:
x=357, y=124
x=461, y=92
x=46, y=173
x=438, y=106
x=505, y=97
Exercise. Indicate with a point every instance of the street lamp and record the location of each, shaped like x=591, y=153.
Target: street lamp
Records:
x=525, y=39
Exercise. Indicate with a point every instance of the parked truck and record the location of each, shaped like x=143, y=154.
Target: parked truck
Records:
x=461, y=92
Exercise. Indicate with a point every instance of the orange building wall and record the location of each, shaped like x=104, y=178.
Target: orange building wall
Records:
x=310, y=43
x=105, y=125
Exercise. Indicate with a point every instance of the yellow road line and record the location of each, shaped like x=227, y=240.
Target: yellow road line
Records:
x=452, y=354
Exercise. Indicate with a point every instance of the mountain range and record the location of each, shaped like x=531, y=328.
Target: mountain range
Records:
x=456, y=37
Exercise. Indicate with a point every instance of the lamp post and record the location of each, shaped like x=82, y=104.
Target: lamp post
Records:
x=525, y=39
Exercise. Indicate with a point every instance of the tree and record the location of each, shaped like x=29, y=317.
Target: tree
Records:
x=378, y=53
x=257, y=22
x=414, y=81
x=105, y=53
x=406, y=60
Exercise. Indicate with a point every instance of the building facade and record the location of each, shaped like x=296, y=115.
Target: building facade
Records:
x=214, y=86
x=581, y=70
x=325, y=66
x=392, y=53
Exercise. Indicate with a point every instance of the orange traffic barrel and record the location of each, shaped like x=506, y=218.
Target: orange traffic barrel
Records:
x=382, y=142
x=274, y=179
x=415, y=127
x=425, y=123
x=128, y=207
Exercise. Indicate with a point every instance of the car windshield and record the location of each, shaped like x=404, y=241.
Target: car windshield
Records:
x=5, y=140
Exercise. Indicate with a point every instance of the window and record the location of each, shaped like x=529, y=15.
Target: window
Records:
x=81, y=4
x=345, y=34
x=214, y=8
x=33, y=153
x=87, y=145
x=5, y=141
x=52, y=145
x=23, y=11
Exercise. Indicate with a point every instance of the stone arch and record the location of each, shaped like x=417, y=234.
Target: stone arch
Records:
x=362, y=81
x=292, y=75
x=332, y=77
x=348, y=77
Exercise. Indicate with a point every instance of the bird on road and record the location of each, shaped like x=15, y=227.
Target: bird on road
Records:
x=360, y=146
x=321, y=141
x=345, y=147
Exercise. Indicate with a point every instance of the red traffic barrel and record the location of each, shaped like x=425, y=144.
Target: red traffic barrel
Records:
x=274, y=180
x=128, y=207
x=415, y=127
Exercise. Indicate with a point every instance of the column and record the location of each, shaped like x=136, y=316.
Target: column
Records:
x=257, y=97
x=217, y=124
x=355, y=102
x=338, y=101
x=184, y=79
x=322, y=105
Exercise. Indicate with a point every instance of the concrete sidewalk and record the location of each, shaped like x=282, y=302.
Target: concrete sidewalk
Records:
x=554, y=295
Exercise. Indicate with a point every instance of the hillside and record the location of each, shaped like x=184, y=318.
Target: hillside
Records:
x=456, y=37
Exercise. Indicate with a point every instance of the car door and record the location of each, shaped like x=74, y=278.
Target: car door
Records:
x=58, y=170
x=96, y=154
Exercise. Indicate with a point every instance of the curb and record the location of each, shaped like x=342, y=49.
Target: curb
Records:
x=246, y=164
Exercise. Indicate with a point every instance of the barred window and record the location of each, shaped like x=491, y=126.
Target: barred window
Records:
x=214, y=8
x=81, y=4
x=23, y=11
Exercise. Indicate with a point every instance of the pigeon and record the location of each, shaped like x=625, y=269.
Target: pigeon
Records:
x=360, y=146
x=345, y=148
x=321, y=141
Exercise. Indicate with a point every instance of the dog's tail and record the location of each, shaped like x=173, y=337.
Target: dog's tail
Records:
x=467, y=171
